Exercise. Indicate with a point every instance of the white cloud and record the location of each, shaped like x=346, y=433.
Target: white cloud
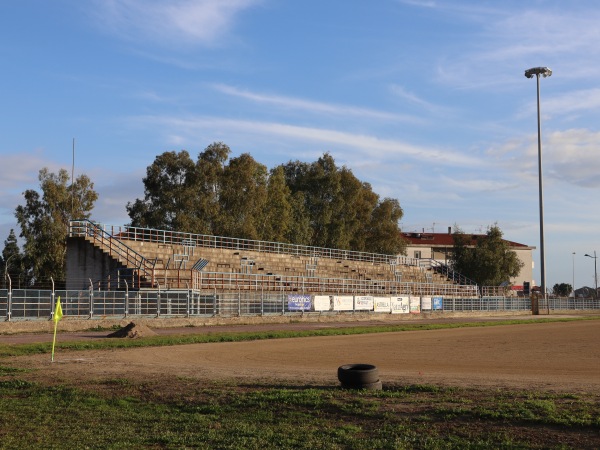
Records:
x=571, y=156
x=369, y=146
x=292, y=103
x=179, y=22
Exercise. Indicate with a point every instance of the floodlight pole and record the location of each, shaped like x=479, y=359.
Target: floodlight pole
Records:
x=573, y=288
x=530, y=73
x=595, y=271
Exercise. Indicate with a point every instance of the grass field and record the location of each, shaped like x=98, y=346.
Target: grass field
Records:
x=103, y=411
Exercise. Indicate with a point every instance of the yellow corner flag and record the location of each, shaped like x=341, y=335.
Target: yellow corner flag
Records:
x=57, y=316
x=58, y=311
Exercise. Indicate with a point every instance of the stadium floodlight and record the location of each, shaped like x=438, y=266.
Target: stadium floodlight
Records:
x=530, y=73
x=537, y=71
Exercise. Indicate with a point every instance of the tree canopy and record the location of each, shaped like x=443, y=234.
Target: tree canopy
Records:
x=11, y=258
x=44, y=221
x=562, y=289
x=318, y=204
x=490, y=262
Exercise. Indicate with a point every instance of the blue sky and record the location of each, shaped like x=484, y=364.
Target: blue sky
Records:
x=426, y=100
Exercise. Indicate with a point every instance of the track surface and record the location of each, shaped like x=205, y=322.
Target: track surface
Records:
x=561, y=357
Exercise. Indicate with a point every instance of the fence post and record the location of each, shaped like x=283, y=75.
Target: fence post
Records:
x=215, y=303
x=91, y=295
x=188, y=299
x=158, y=302
x=9, y=304
x=126, y=299
x=52, y=297
x=262, y=301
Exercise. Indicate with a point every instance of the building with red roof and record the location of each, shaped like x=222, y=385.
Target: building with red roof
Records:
x=439, y=246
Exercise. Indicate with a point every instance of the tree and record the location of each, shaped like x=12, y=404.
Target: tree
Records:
x=243, y=197
x=382, y=232
x=488, y=260
x=170, y=191
x=180, y=194
x=210, y=168
x=12, y=259
x=44, y=221
x=278, y=211
x=315, y=204
x=342, y=211
x=562, y=289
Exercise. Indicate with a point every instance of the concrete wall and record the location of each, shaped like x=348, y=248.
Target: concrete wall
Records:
x=86, y=262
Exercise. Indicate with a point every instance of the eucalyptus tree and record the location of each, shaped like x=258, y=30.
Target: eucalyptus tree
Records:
x=44, y=220
x=278, y=212
x=243, y=198
x=170, y=194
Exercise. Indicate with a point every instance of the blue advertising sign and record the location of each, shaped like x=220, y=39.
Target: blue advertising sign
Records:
x=437, y=303
x=299, y=302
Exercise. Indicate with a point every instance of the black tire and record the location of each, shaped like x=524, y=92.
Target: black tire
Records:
x=356, y=374
x=377, y=386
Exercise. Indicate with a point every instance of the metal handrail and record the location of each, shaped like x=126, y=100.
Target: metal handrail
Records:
x=449, y=273
x=222, y=242
x=115, y=247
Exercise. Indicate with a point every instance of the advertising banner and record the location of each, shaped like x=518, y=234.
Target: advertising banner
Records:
x=415, y=305
x=343, y=302
x=363, y=303
x=438, y=303
x=322, y=303
x=382, y=304
x=426, y=303
x=298, y=302
x=400, y=305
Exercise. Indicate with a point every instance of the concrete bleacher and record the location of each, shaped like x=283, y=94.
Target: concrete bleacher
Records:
x=147, y=258
x=184, y=257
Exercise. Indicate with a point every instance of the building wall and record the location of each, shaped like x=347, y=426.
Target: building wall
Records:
x=441, y=254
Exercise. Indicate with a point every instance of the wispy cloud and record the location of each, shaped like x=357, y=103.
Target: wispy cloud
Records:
x=298, y=104
x=370, y=146
x=403, y=93
x=503, y=40
x=182, y=22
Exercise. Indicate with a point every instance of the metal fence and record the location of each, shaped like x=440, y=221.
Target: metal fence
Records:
x=29, y=304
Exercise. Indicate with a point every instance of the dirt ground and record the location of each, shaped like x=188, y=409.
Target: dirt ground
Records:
x=558, y=357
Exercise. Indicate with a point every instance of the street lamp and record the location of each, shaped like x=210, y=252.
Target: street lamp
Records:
x=6, y=270
x=595, y=271
x=530, y=73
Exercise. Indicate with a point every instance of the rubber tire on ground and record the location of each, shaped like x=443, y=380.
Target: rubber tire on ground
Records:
x=355, y=374
x=377, y=386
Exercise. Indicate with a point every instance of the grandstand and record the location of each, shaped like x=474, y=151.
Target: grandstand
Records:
x=122, y=257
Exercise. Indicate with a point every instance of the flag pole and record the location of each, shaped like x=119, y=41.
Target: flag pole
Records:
x=57, y=316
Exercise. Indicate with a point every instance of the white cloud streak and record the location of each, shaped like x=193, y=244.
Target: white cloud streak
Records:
x=187, y=22
x=370, y=146
x=298, y=104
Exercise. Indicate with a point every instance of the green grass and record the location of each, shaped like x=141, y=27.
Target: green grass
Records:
x=100, y=344
x=118, y=413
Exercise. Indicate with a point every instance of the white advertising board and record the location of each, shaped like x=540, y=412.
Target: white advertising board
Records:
x=363, y=302
x=415, y=305
x=343, y=302
x=382, y=304
x=400, y=305
x=426, y=303
x=322, y=303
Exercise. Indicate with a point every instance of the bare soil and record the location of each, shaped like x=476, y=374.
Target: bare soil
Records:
x=558, y=357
